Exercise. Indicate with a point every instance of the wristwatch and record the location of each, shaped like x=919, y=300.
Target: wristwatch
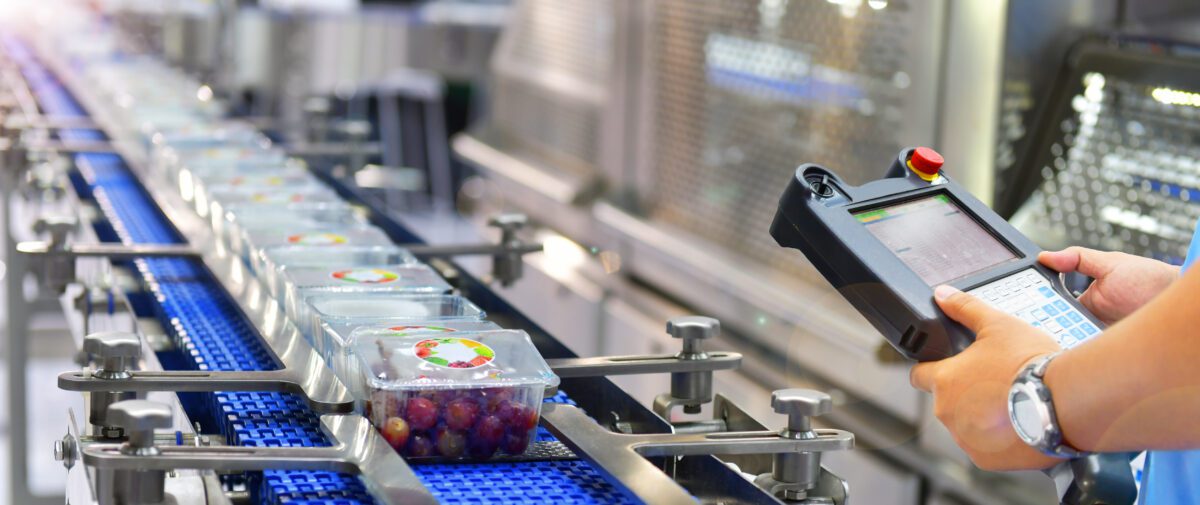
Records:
x=1031, y=410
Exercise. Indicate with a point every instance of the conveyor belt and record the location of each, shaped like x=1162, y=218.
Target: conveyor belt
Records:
x=208, y=327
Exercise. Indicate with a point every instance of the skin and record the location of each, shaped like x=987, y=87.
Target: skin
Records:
x=1136, y=386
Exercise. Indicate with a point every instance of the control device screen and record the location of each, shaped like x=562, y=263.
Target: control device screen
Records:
x=935, y=238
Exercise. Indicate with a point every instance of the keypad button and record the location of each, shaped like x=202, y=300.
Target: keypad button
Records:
x=1050, y=309
x=1075, y=317
x=1078, y=334
x=1046, y=292
x=1040, y=314
x=1061, y=305
x=1064, y=321
x=1053, y=327
x=1089, y=329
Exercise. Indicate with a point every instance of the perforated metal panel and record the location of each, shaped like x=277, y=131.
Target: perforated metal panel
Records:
x=1125, y=173
x=744, y=92
x=549, y=83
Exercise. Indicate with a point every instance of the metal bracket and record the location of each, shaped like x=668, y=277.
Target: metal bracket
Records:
x=325, y=399
x=115, y=380
x=621, y=457
x=357, y=448
x=507, y=264
x=59, y=266
x=603, y=366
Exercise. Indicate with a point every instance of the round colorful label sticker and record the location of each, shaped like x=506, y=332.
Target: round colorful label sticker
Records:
x=277, y=197
x=366, y=276
x=453, y=352
x=316, y=238
x=408, y=331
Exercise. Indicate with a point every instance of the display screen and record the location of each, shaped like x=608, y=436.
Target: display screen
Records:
x=935, y=238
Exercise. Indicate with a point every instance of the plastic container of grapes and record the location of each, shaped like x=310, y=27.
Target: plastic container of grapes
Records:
x=278, y=260
x=458, y=396
x=257, y=241
x=332, y=317
x=242, y=220
x=264, y=180
x=346, y=366
x=220, y=201
x=166, y=161
x=198, y=179
x=302, y=283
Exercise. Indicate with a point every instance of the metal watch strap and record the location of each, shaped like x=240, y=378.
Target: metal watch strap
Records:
x=1053, y=444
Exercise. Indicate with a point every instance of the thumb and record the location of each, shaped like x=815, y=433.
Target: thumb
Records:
x=965, y=308
x=1089, y=262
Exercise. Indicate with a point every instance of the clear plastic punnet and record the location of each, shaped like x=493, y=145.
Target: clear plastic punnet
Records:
x=256, y=242
x=333, y=317
x=225, y=199
x=347, y=367
x=267, y=180
x=302, y=283
x=241, y=220
x=276, y=261
x=454, y=396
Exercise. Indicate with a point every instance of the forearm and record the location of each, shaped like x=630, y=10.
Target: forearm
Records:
x=1137, y=385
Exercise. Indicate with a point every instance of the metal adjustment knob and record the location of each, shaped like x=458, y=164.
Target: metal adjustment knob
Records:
x=693, y=330
x=508, y=267
x=58, y=227
x=116, y=351
x=692, y=389
x=139, y=419
x=800, y=405
x=795, y=474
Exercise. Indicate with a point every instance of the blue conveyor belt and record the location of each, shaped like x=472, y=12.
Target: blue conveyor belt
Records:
x=211, y=331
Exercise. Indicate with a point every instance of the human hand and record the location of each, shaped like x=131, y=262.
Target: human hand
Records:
x=970, y=389
x=1124, y=282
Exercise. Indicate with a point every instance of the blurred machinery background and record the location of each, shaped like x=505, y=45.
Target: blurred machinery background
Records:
x=648, y=140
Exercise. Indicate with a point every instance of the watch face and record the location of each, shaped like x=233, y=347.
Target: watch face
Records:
x=1027, y=414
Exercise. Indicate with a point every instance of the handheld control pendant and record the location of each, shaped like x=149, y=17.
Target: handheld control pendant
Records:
x=885, y=245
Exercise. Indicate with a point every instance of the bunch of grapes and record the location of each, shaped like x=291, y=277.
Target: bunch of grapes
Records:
x=475, y=423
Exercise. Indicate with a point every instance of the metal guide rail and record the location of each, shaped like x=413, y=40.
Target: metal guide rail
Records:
x=218, y=318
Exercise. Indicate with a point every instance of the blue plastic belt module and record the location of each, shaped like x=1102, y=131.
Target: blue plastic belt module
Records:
x=212, y=334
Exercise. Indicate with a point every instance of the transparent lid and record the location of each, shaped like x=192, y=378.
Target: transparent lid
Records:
x=410, y=277
x=315, y=213
x=258, y=179
x=197, y=155
x=321, y=235
x=273, y=196
x=317, y=256
x=367, y=308
x=502, y=358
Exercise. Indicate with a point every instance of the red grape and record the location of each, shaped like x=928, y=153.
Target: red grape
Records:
x=515, y=443
x=420, y=446
x=482, y=449
x=450, y=443
x=396, y=432
x=506, y=410
x=461, y=414
x=421, y=413
x=489, y=429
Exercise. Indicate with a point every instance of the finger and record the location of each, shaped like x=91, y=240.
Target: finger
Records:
x=1089, y=262
x=921, y=376
x=966, y=309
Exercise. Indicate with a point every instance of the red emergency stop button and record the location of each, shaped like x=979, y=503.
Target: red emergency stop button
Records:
x=926, y=163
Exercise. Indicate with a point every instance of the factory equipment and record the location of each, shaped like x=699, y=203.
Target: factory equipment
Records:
x=263, y=383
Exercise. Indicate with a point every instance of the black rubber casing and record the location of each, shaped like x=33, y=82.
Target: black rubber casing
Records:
x=816, y=216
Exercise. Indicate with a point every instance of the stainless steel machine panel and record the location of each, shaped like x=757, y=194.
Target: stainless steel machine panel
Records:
x=744, y=95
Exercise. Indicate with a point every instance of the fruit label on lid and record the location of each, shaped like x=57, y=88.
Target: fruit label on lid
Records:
x=366, y=276
x=276, y=197
x=405, y=331
x=316, y=238
x=454, y=352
